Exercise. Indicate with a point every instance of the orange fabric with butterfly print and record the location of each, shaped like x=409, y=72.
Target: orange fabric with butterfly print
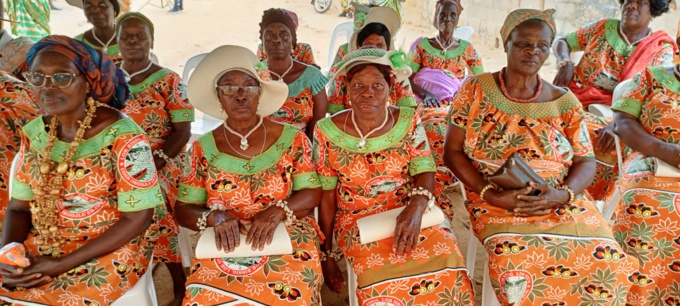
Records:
x=246, y=187
x=155, y=104
x=112, y=173
x=379, y=178
x=568, y=255
x=17, y=107
x=648, y=215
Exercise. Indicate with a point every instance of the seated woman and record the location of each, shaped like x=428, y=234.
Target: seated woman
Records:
x=531, y=239
x=102, y=15
x=382, y=161
x=360, y=13
x=18, y=106
x=648, y=199
x=379, y=30
x=159, y=105
x=306, y=103
x=440, y=64
x=302, y=52
x=249, y=171
x=85, y=189
x=614, y=51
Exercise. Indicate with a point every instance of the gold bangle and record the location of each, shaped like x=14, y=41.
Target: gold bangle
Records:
x=563, y=63
x=571, y=193
x=481, y=193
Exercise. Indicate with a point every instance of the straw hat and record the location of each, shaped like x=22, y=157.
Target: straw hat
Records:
x=396, y=59
x=123, y=4
x=202, y=91
x=384, y=15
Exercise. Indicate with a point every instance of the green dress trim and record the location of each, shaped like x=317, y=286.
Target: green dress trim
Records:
x=192, y=195
x=373, y=144
x=572, y=41
x=140, y=199
x=233, y=164
x=311, y=78
x=421, y=164
x=112, y=50
x=611, y=33
x=21, y=191
x=306, y=180
x=535, y=110
x=666, y=79
x=37, y=135
x=141, y=87
x=477, y=70
x=328, y=182
x=430, y=49
x=334, y=108
x=662, y=76
x=182, y=115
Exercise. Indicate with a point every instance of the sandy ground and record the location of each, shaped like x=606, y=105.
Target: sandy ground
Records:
x=207, y=24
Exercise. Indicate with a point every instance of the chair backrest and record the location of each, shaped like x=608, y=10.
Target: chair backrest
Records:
x=575, y=57
x=464, y=33
x=342, y=29
x=618, y=91
x=12, y=171
x=191, y=65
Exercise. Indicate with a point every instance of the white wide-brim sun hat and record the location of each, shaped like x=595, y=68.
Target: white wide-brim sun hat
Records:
x=398, y=60
x=203, y=81
x=383, y=15
x=124, y=5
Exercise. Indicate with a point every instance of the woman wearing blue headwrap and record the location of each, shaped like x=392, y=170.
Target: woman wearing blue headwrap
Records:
x=86, y=187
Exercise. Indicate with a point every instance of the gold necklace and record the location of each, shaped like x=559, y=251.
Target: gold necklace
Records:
x=50, y=187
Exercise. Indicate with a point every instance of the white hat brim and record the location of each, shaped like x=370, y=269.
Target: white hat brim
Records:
x=384, y=15
x=201, y=84
x=352, y=60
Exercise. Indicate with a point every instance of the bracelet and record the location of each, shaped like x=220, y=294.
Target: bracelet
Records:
x=424, y=192
x=290, y=216
x=484, y=190
x=563, y=63
x=571, y=193
x=162, y=155
x=202, y=222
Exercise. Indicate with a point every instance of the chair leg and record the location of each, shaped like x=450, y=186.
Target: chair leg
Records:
x=352, y=285
x=186, y=251
x=470, y=257
x=488, y=295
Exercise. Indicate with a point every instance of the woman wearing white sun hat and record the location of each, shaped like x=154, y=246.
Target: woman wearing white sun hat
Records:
x=249, y=171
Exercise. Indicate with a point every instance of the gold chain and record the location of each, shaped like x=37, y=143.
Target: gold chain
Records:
x=49, y=189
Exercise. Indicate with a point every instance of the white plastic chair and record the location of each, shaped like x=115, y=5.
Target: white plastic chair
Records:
x=185, y=248
x=464, y=33
x=341, y=29
x=207, y=124
x=576, y=57
x=143, y=293
x=352, y=284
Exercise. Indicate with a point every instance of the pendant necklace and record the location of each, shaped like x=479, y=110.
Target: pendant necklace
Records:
x=244, y=138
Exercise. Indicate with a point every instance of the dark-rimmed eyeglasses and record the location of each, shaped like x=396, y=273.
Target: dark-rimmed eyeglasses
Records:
x=59, y=79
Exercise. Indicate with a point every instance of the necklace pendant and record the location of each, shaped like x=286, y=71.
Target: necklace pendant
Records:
x=105, y=50
x=244, y=144
x=444, y=52
x=362, y=144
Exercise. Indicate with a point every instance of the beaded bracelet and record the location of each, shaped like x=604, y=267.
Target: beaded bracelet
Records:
x=162, y=155
x=290, y=216
x=424, y=192
x=202, y=222
x=563, y=63
x=571, y=193
x=484, y=190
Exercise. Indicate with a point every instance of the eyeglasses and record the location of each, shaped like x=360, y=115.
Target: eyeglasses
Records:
x=60, y=79
x=230, y=90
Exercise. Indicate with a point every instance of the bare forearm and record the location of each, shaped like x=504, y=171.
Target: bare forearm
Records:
x=327, y=211
x=561, y=49
x=631, y=132
x=17, y=223
x=129, y=226
x=303, y=201
x=178, y=140
x=462, y=167
x=580, y=174
x=188, y=214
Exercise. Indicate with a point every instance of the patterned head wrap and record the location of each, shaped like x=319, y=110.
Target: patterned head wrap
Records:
x=135, y=15
x=456, y=2
x=107, y=82
x=275, y=15
x=516, y=17
x=293, y=16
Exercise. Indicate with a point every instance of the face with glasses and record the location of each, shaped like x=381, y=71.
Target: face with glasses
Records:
x=636, y=13
x=528, y=47
x=134, y=39
x=239, y=94
x=58, y=85
x=100, y=13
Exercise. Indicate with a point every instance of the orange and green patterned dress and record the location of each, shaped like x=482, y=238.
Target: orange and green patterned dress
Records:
x=155, y=104
x=302, y=53
x=113, y=173
x=244, y=188
x=568, y=256
x=647, y=220
x=605, y=55
x=112, y=51
x=453, y=64
x=17, y=107
x=298, y=109
x=376, y=179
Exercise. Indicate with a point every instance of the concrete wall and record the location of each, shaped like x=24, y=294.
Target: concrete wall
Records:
x=487, y=16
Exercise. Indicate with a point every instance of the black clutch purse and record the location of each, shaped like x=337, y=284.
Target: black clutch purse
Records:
x=516, y=174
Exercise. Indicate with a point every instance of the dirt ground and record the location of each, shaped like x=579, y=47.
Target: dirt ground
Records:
x=207, y=24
